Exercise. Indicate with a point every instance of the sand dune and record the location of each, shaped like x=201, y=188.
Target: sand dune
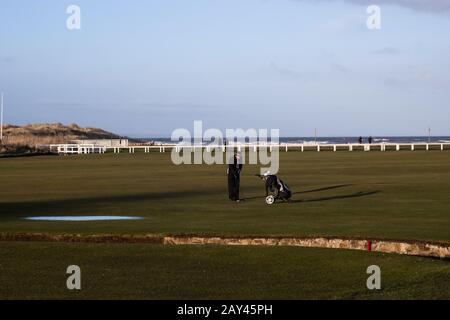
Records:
x=29, y=137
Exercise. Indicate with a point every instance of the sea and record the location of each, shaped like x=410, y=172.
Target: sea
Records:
x=333, y=140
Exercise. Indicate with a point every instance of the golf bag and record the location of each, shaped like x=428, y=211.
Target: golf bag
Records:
x=276, y=189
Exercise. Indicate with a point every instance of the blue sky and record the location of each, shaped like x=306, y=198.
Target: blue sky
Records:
x=145, y=68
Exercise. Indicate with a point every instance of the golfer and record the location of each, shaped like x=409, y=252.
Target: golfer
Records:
x=234, y=177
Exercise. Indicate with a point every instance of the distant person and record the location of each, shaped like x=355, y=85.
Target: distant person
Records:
x=234, y=177
x=360, y=140
x=370, y=140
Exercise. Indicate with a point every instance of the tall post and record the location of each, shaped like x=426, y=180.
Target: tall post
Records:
x=1, y=119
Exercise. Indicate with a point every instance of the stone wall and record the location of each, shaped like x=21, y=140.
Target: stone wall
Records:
x=416, y=248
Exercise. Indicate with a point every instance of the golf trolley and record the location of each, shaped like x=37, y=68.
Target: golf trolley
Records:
x=276, y=189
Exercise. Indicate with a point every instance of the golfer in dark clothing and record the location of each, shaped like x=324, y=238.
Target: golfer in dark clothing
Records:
x=234, y=172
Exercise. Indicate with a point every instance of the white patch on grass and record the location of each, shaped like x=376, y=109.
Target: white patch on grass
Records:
x=82, y=218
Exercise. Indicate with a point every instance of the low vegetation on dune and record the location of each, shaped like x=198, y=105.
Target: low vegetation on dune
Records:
x=30, y=138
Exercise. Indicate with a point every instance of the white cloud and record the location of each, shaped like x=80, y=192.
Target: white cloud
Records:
x=437, y=6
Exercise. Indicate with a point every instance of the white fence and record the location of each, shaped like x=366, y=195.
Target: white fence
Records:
x=90, y=148
x=77, y=148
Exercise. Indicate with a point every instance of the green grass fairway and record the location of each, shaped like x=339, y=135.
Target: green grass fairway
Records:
x=396, y=195
x=399, y=195
x=37, y=270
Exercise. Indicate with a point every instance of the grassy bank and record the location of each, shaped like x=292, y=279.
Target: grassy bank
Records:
x=123, y=271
